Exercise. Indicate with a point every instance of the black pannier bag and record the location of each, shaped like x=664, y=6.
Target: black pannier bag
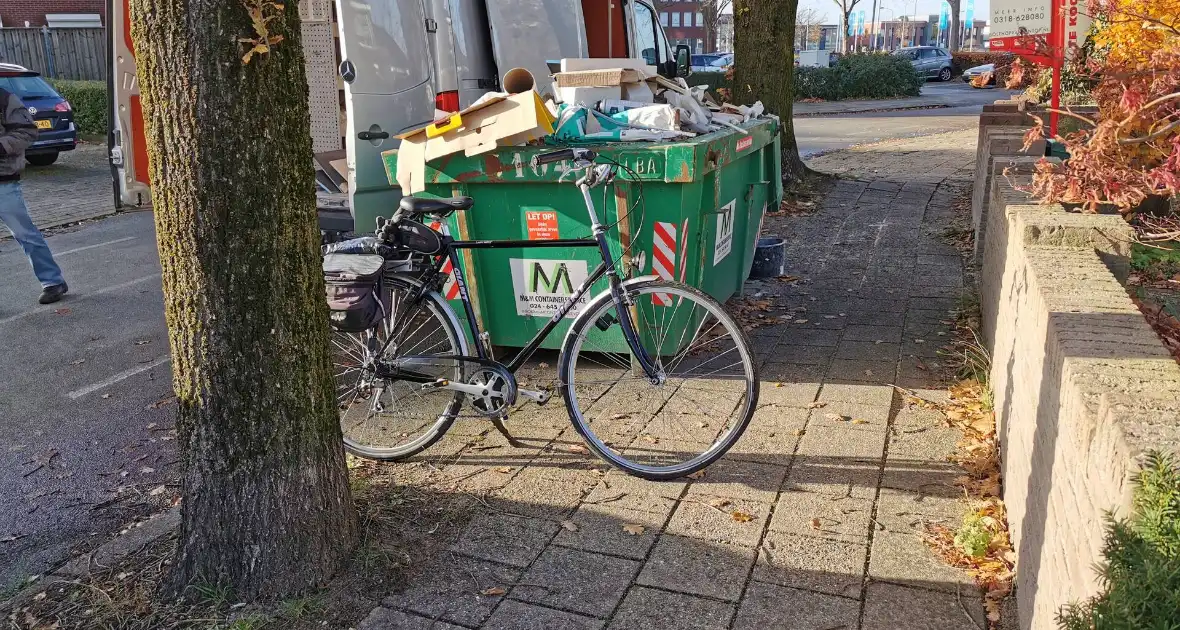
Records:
x=354, y=290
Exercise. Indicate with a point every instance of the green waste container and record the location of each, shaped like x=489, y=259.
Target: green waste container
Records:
x=702, y=199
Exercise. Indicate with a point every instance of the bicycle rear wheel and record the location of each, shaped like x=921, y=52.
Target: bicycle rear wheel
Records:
x=697, y=408
x=389, y=419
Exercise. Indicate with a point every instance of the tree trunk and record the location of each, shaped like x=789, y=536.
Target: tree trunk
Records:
x=267, y=509
x=952, y=37
x=764, y=67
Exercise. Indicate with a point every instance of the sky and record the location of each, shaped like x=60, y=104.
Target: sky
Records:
x=828, y=8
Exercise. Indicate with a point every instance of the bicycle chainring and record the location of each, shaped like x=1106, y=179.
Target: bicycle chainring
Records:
x=499, y=390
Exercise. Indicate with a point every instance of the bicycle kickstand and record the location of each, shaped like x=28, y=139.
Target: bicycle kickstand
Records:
x=498, y=421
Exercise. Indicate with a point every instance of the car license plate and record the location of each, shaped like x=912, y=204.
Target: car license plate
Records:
x=43, y=124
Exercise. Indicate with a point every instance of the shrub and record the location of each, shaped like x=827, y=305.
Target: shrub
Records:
x=1141, y=572
x=89, y=102
x=865, y=75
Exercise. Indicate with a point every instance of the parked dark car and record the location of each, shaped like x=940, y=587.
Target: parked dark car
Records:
x=51, y=113
x=931, y=62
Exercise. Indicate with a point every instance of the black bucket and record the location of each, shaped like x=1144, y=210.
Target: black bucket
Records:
x=770, y=258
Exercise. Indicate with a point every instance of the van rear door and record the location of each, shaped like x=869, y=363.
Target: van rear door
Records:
x=387, y=88
x=529, y=33
x=126, y=138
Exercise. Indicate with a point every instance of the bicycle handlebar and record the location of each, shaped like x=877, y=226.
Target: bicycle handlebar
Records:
x=563, y=155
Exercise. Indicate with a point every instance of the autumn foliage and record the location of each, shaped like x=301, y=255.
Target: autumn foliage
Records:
x=1130, y=150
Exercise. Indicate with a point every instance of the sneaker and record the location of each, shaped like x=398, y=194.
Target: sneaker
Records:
x=53, y=293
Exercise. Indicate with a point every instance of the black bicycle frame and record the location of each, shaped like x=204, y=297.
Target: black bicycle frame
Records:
x=606, y=267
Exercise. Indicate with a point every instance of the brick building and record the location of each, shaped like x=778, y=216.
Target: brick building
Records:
x=15, y=13
x=683, y=22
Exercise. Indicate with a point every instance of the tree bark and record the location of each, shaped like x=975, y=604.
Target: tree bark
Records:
x=266, y=504
x=764, y=68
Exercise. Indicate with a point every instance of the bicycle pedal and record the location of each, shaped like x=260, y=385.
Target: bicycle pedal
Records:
x=606, y=321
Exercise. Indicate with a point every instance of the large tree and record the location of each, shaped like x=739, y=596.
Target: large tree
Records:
x=952, y=36
x=764, y=67
x=266, y=504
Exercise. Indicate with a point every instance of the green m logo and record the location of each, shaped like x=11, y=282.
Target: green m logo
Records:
x=540, y=282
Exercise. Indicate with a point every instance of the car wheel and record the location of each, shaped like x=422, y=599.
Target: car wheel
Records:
x=944, y=74
x=42, y=159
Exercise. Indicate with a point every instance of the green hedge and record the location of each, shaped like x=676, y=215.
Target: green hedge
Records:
x=1141, y=573
x=857, y=76
x=89, y=102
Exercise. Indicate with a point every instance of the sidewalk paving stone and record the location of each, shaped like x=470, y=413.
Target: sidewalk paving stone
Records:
x=514, y=615
x=697, y=567
x=811, y=563
x=577, y=581
x=648, y=608
x=771, y=606
x=891, y=607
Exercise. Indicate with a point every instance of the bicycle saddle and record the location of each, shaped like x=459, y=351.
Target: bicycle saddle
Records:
x=436, y=207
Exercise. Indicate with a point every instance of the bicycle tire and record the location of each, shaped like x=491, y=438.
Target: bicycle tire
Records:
x=573, y=348
x=445, y=315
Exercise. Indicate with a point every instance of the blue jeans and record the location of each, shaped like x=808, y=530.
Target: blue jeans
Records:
x=15, y=216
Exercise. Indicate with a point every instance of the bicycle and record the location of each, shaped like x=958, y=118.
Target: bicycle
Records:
x=669, y=406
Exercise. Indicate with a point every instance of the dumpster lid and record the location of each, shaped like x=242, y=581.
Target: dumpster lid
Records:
x=530, y=33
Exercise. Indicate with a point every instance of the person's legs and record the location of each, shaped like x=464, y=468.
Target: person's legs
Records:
x=15, y=216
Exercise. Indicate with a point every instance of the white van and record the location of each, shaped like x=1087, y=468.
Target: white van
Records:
x=401, y=64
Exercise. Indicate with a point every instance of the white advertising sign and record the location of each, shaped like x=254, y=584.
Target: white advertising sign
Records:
x=724, y=243
x=1077, y=24
x=1009, y=16
x=543, y=286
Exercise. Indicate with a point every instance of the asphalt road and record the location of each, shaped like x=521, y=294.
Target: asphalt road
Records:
x=823, y=134
x=83, y=431
x=85, y=408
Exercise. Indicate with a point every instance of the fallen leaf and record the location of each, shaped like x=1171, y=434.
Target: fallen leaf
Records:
x=143, y=342
x=799, y=432
x=620, y=416
x=919, y=341
x=835, y=417
x=651, y=439
x=577, y=448
x=160, y=403
x=151, y=425
x=157, y=491
x=741, y=517
x=507, y=470
x=719, y=502
x=816, y=405
x=62, y=311
x=569, y=526
x=800, y=321
x=778, y=384
x=106, y=396
x=544, y=366
x=147, y=470
x=78, y=362
x=815, y=523
x=494, y=591
x=634, y=529
x=868, y=372
x=8, y=539
x=860, y=421
x=829, y=317
x=700, y=474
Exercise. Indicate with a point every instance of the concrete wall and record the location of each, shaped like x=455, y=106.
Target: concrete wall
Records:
x=1083, y=386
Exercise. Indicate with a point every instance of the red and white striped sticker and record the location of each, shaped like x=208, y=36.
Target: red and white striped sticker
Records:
x=451, y=288
x=663, y=258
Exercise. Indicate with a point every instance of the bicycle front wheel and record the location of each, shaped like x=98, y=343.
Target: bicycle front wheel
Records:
x=703, y=396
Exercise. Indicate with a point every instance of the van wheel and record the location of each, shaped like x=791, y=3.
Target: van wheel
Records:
x=944, y=74
x=42, y=159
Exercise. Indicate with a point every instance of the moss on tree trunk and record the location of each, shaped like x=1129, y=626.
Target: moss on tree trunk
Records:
x=267, y=509
x=764, y=68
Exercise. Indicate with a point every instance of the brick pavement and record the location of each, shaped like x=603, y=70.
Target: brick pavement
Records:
x=75, y=188
x=839, y=475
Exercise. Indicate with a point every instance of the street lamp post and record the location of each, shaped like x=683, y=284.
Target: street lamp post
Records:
x=890, y=46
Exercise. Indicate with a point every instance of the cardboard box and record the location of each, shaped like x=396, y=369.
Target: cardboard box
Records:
x=597, y=78
x=574, y=64
x=506, y=120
